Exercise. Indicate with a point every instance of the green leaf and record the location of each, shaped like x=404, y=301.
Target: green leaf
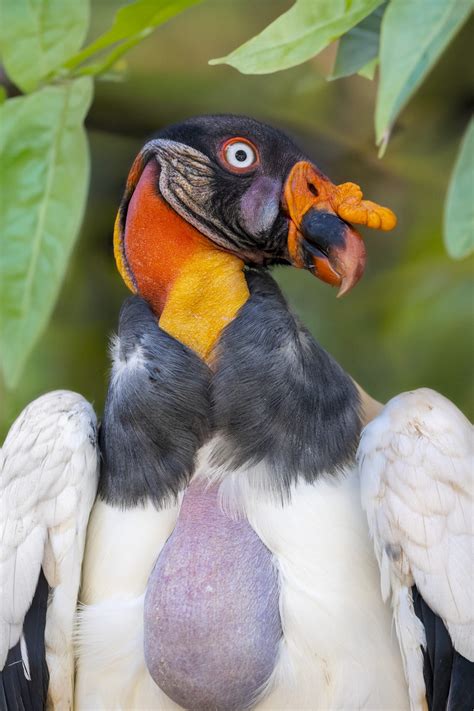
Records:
x=459, y=209
x=131, y=24
x=413, y=36
x=360, y=46
x=110, y=59
x=368, y=70
x=297, y=35
x=43, y=182
x=37, y=36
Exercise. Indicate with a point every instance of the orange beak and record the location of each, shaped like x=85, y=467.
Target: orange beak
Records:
x=320, y=237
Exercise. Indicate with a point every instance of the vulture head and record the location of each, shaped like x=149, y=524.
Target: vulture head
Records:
x=247, y=189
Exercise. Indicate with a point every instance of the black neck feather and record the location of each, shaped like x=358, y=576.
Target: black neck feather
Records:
x=276, y=397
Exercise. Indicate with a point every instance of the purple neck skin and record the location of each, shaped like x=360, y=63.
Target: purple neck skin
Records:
x=212, y=623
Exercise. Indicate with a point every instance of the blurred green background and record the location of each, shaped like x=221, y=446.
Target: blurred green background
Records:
x=409, y=323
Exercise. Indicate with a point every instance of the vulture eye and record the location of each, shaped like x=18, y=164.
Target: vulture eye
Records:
x=239, y=155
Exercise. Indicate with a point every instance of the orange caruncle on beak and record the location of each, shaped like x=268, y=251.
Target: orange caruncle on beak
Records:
x=319, y=236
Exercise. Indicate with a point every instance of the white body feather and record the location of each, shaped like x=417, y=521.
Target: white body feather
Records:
x=416, y=464
x=48, y=482
x=338, y=649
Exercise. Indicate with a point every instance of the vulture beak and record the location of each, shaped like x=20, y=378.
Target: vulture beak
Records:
x=320, y=237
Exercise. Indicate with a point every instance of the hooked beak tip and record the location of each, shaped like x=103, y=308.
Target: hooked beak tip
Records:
x=346, y=285
x=333, y=250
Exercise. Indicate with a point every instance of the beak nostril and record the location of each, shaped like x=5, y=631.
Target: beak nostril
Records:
x=313, y=189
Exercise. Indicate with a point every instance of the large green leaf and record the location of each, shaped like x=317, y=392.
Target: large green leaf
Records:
x=37, y=36
x=43, y=183
x=459, y=211
x=359, y=46
x=131, y=24
x=297, y=35
x=413, y=36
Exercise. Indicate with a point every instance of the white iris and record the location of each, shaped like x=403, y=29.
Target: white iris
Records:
x=240, y=155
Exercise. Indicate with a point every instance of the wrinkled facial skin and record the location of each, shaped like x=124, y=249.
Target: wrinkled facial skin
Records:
x=239, y=211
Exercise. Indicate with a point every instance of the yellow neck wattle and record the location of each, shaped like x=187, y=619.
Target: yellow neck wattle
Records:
x=204, y=299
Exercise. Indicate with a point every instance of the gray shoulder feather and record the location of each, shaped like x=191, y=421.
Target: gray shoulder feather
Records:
x=156, y=415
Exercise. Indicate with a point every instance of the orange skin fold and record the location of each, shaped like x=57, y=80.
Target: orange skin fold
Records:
x=306, y=188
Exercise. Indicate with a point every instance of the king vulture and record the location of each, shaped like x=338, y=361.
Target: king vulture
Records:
x=237, y=554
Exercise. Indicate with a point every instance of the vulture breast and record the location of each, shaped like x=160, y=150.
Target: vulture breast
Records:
x=212, y=622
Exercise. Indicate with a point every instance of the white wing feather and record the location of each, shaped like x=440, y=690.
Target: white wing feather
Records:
x=48, y=482
x=416, y=465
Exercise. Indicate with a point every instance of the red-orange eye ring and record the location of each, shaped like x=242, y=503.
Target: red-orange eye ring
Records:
x=239, y=155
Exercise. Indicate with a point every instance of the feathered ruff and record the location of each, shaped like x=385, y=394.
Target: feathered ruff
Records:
x=157, y=413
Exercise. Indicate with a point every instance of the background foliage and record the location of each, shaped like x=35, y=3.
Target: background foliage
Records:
x=409, y=323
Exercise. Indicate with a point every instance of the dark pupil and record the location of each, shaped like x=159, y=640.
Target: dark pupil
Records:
x=241, y=155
